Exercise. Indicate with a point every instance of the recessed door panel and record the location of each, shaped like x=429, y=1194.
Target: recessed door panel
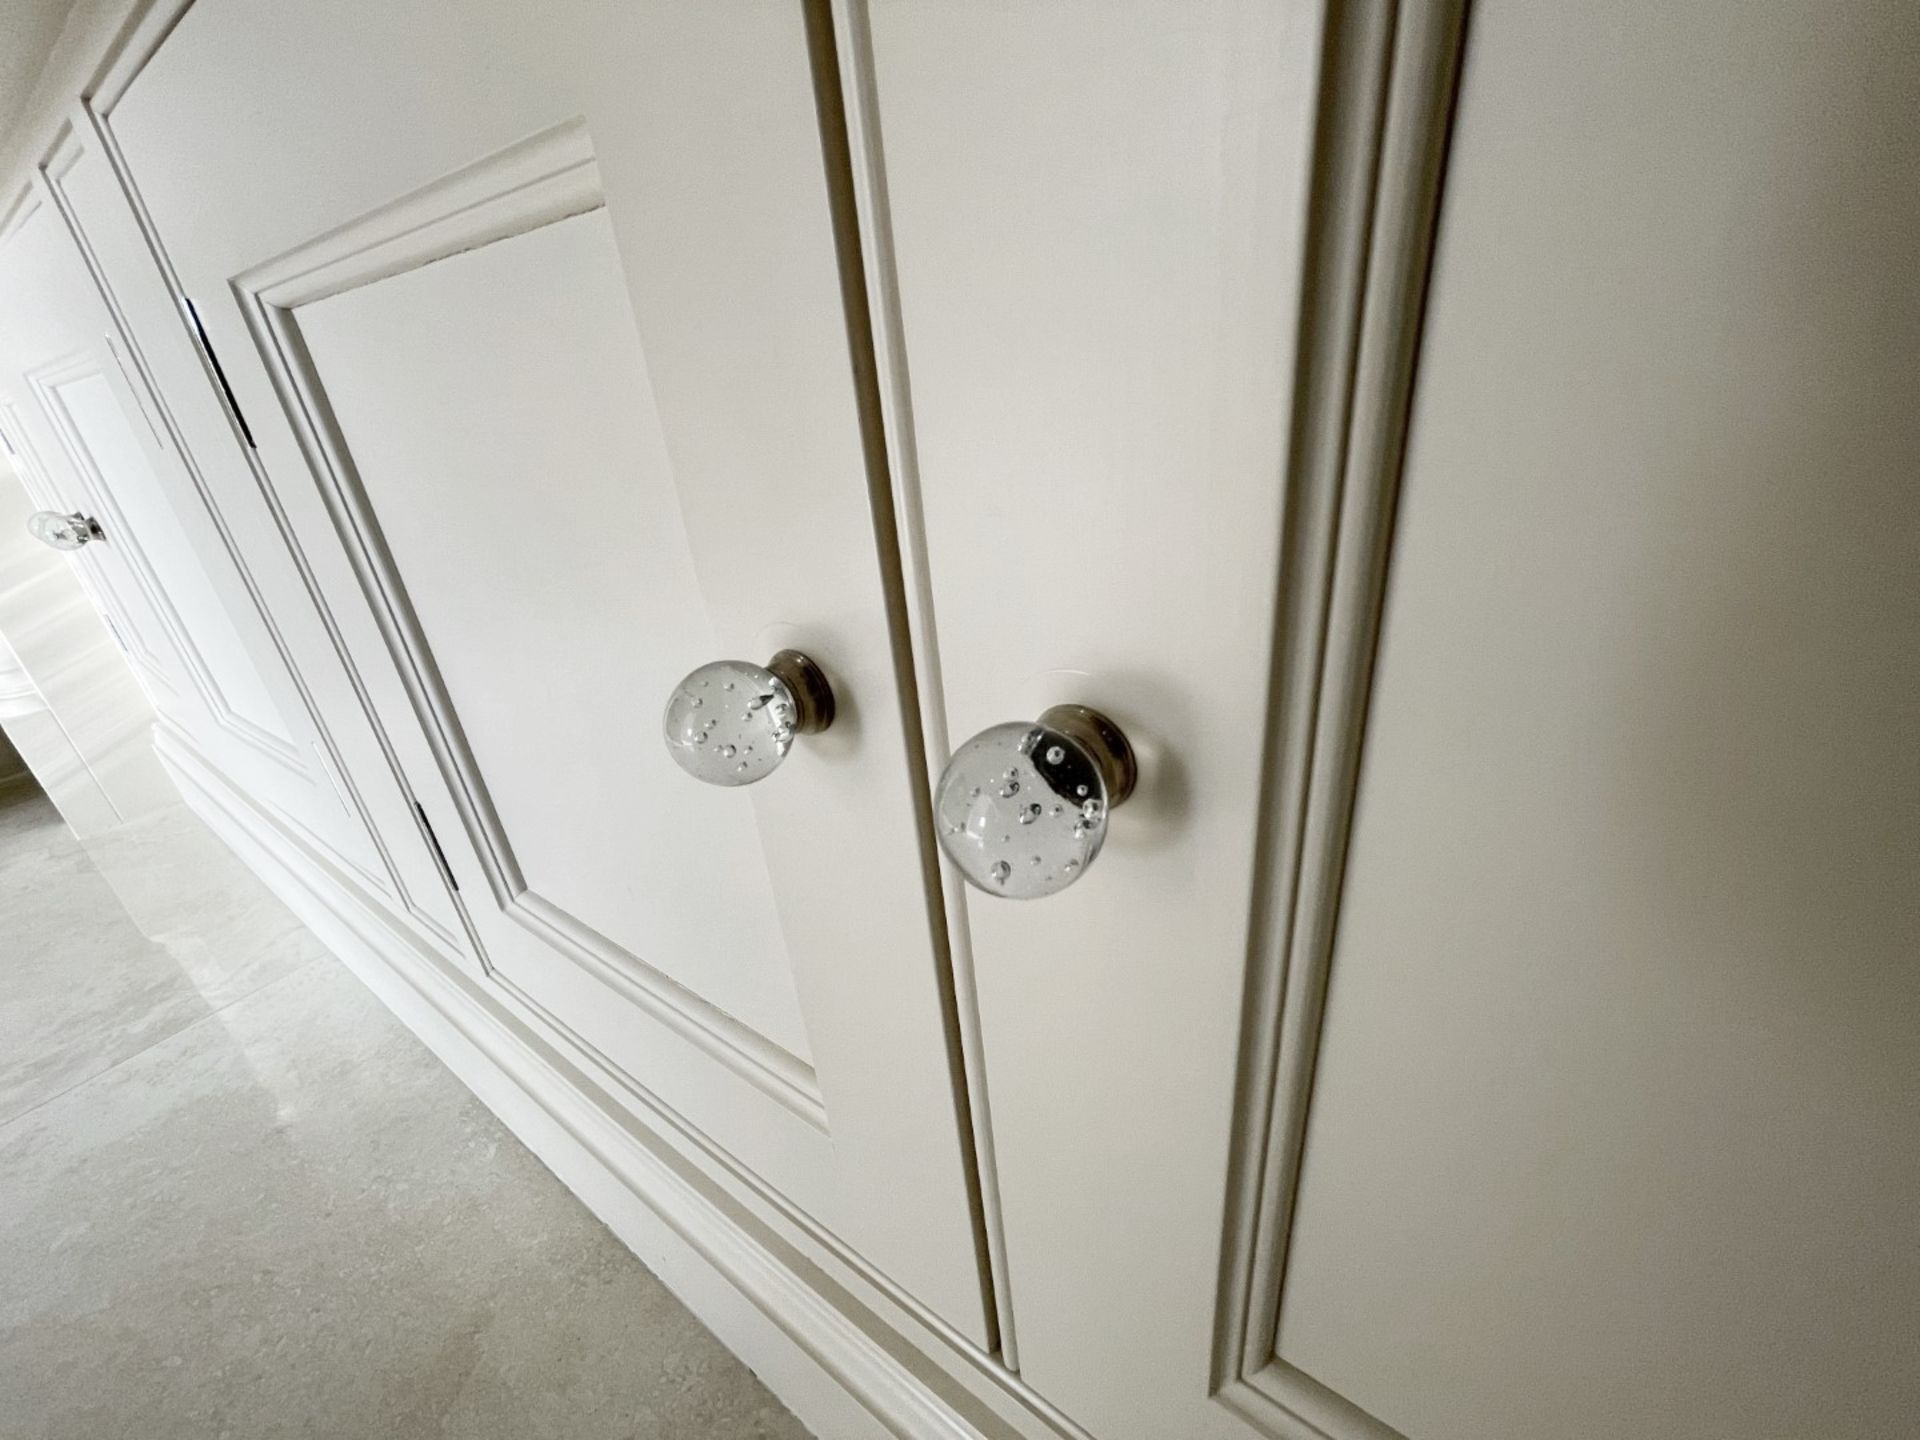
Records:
x=528, y=505
x=545, y=355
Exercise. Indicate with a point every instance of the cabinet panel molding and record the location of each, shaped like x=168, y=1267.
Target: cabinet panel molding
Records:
x=549, y=178
x=1387, y=100
x=92, y=432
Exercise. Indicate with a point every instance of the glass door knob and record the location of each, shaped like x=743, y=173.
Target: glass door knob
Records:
x=64, y=532
x=1022, y=808
x=732, y=723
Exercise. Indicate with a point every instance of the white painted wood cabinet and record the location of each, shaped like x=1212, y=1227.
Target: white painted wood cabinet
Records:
x=554, y=406
x=1478, y=479
x=1587, y=1143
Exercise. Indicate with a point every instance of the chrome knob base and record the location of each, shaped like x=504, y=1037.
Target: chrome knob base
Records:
x=812, y=695
x=1103, y=741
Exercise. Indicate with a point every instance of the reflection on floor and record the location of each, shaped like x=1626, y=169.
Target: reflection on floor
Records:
x=238, y=1199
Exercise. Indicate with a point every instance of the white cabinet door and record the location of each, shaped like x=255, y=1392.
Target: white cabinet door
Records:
x=1098, y=216
x=84, y=438
x=1614, y=1121
x=533, y=314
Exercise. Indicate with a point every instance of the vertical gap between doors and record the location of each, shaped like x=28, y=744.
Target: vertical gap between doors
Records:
x=839, y=163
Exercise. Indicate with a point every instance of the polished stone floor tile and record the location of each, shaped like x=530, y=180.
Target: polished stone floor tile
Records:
x=273, y=1213
x=103, y=954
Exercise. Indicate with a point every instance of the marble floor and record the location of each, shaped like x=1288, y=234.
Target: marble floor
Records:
x=238, y=1199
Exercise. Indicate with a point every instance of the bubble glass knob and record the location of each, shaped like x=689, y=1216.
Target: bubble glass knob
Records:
x=1022, y=808
x=64, y=532
x=732, y=722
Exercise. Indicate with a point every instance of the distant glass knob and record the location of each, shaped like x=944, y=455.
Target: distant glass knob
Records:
x=1022, y=808
x=732, y=723
x=64, y=532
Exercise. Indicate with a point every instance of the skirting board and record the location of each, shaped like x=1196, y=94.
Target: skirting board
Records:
x=835, y=1364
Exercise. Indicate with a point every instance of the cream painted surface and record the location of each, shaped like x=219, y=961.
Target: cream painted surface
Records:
x=1098, y=269
x=542, y=409
x=1617, y=1123
x=728, y=262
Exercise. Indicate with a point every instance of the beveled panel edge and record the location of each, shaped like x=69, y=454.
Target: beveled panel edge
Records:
x=1388, y=78
x=545, y=178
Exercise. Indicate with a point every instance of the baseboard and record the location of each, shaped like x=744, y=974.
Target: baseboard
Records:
x=848, y=1364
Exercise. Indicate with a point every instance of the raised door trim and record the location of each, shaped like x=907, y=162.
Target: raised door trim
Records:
x=844, y=66
x=546, y=178
x=1388, y=79
x=146, y=26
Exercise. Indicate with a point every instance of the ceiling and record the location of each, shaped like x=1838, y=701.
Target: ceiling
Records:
x=28, y=29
